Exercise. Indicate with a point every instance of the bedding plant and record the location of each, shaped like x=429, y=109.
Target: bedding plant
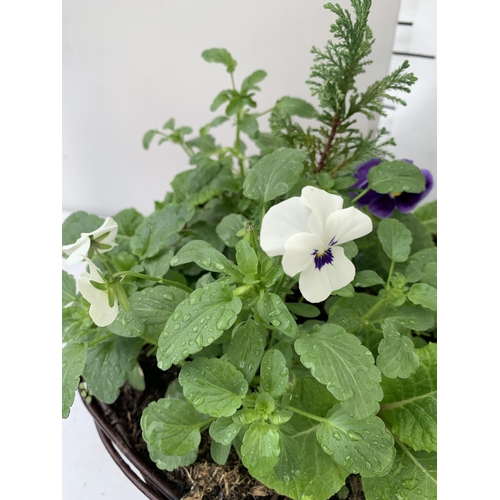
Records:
x=294, y=289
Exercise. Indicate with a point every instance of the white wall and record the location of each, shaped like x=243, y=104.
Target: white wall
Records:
x=129, y=65
x=414, y=126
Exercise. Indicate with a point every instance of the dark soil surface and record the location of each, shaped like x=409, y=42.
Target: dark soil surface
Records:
x=203, y=480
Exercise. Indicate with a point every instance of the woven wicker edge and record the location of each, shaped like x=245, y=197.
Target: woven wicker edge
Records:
x=153, y=485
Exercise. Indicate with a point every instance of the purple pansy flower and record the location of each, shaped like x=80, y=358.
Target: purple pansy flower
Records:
x=383, y=205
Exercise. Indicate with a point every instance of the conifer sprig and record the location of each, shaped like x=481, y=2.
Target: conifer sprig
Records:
x=333, y=80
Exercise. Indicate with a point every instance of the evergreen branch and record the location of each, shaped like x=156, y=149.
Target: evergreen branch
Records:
x=370, y=102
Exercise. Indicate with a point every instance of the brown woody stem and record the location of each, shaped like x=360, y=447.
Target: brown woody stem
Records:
x=322, y=159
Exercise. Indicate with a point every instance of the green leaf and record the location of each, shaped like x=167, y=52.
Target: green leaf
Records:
x=415, y=317
x=207, y=257
x=126, y=324
x=274, y=373
x=260, y=448
x=246, y=257
x=221, y=98
x=427, y=215
x=397, y=356
x=221, y=56
x=303, y=310
x=159, y=264
x=219, y=452
x=249, y=83
x=395, y=239
x=421, y=238
x=410, y=405
x=172, y=462
x=74, y=357
x=169, y=125
x=424, y=295
x=367, y=278
x=108, y=365
x=273, y=310
x=361, y=446
x=395, y=177
x=148, y=137
x=68, y=288
x=228, y=227
x=246, y=349
x=197, y=322
x=128, y=220
x=413, y=477
x=296, y=107
x=136, y=378
x=290, y=457
x=78, y=223
x=319, y=476
x=249, y=125
x=153, y=233
x=429, y=274
x=339, y=360
x=274, y=175
x=155, y=305
x=219, y=120
x=213, y=386
x=224, y=430
x=416, y=263
x=171, y=426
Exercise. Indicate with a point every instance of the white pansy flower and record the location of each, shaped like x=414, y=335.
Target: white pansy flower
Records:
x=79, y=250
x=308, y=231
x=101, y=311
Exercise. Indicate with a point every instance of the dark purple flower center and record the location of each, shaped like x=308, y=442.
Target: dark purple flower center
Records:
x=323, y=257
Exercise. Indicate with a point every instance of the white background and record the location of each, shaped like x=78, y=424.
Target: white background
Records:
x=30, y=97
x=129, y=66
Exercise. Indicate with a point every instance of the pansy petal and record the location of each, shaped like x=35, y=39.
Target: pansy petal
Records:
x=382, y=206
x=90, y=292
x=77, y=251
x=362, y=172
x=109, y=226
x=280, y=223
x=105, y=316
x=347, y=225
x=320, y=202
x=316, y=285
x=299, y=252
x=343, y=271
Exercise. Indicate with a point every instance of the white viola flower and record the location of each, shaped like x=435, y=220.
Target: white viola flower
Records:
x=103, y=301
x=104, y=236
x=308, y=231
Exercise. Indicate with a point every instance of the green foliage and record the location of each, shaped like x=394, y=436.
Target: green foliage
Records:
x=338, y=360
x=274, y=175
x=306, y=393
x=197, y=322
x=213, y=386
x=73, y=362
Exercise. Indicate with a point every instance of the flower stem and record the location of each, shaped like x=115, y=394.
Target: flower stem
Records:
x=149, y=340
x=102, y=339
x=106, y=262
x=322, y=161
x=368, y=314
x=356, y=198
x=391, y=269
x=154, y=278
x=305, y=414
